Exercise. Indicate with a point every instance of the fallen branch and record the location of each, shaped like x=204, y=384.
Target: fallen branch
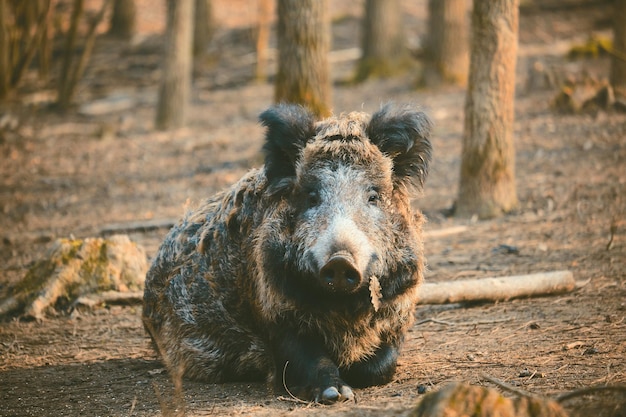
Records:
x=140, y=226
x=445, y=232
x=590, y=391
x=110, y=297
x=497, y=289
x=469, y=323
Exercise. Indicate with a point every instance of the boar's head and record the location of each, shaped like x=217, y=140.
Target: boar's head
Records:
x=343, y=217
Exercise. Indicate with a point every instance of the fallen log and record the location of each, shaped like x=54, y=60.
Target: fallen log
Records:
x=496, y=289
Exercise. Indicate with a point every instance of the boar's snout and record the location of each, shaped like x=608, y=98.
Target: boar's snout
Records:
x=340, y=274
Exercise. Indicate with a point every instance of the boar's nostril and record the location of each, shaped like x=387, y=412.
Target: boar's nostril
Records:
x=340, y=274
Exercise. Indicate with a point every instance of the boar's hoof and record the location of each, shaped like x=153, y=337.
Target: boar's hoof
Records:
x=340, y=274
x=333, y=395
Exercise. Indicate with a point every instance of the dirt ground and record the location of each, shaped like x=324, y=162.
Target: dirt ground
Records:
x=96, y=170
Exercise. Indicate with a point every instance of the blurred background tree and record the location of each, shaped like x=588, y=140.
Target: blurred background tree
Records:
x=487, y=182
x=446, y=49
x=123, y=21
x=72, y=70
x=203, y=28
x=24, y=27
x=303, y=46
x=264, y=26
x=175, y=84
x=618, y=59
x=383, y=42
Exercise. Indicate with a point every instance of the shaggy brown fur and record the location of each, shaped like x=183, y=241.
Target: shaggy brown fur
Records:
x=306, y=269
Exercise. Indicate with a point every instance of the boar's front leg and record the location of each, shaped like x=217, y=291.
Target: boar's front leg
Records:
x=305, y=369
x=377, y=370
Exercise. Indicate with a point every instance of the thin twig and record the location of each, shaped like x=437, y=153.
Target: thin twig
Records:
x=431, y=320
x=293, y=397
x=612, y=231
x=469, y=323
x=132, y=406
x=590, y=390
x=510, y=388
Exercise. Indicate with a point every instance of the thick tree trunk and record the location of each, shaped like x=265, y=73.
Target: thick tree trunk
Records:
x=487, y=183
x=383, y=44
x=446, y=51
x=303, y=45
x=176, y=78
x=203, y=28
x=618, y=61
x=123, y=22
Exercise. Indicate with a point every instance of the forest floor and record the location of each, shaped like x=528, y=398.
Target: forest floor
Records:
x=89, y=171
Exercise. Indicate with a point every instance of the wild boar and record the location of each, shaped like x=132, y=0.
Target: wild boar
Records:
x=307, y=269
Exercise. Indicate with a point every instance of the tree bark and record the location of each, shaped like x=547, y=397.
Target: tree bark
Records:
x=303, y=45
x=5, y=42
x=64, y=93
x=72, y=72
x=383, y=43
x=263, y=38
x=487, y=183
x=203, y=28
x=618, y=60
x=123, y=23
x=446, y=52
x=175, y=85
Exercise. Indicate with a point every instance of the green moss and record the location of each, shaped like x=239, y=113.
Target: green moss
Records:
x=376, y=68
x=595, y=47
x=37, y=276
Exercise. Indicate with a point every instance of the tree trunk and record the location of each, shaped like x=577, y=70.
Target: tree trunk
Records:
x=618, y=60
x=72, y=71
x=446, y=52
x=487, y=184
x=123, y=22
x=263, y=38
x=5, y=42
x=65, y=89
x=303, y=45
x=383, y=44
x=45, y=48
x=203, y=28
x=176, y=77
x=24, y=26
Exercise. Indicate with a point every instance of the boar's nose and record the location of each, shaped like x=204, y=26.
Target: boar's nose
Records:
x=340, y=273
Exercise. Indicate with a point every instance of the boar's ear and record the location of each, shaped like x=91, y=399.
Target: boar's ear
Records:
x=402, y=134
x=289, y=127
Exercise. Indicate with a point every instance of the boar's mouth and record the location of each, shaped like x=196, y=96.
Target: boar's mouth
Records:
x=340, y=273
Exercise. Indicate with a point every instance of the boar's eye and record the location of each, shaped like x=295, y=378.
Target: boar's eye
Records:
x=312, y=199
x=373, y=196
